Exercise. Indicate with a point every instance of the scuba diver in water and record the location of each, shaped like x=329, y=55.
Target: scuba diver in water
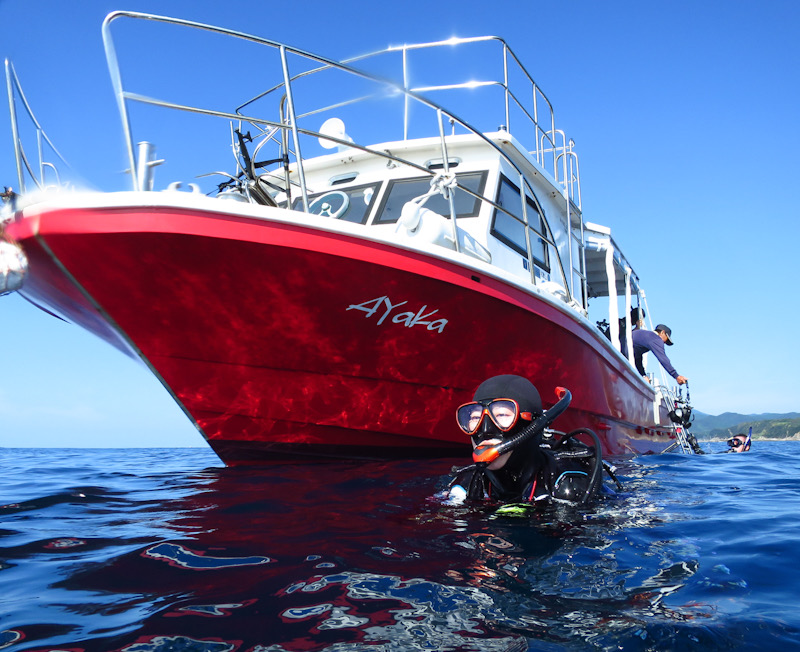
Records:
x=514, y=460
x=740, y=443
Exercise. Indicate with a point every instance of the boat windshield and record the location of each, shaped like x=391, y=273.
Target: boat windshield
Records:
x=401, y=191
x=352, y=204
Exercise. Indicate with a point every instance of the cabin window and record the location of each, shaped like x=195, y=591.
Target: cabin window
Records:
x=348, y=204
x=401, y=191
x=508, y=225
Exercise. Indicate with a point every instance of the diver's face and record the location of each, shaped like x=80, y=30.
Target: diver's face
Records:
x=490, y=421
x=503, y=412
x=738, y=445
x=505, y=415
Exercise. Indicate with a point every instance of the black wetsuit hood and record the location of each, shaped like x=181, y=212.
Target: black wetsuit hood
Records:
x=520, y=389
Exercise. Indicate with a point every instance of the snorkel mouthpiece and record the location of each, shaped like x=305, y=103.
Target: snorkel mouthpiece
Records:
x=488, y=453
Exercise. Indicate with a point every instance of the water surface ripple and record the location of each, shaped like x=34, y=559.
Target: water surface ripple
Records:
x=165, y=550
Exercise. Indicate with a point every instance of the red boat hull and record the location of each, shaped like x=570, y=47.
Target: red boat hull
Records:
x=283, y=340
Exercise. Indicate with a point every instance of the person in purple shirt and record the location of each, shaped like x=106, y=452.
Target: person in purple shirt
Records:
x=654, y=341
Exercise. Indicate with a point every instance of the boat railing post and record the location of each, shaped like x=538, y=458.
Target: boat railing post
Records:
x=658, y=398
x=524, y=198
x=628, y=306
x=40, y=154
x=639, y=318
x=536, y=127
x=406, y=97
x=15, y=93
x=575, y=174
x=285, y=152
x=50, y=166
x=613, y=310
x=146, y=163
x=12, y=110
x=450, y=191
x=541, y=147
x=561, y=161
x=505, y=87
x=571, y=245
x=116, y=83
x=293, y=121
x=574, y=161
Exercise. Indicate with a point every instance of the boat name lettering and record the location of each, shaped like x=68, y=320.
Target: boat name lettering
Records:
x=419, y=318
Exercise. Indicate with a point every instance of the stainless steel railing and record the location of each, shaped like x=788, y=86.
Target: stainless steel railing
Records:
x=36, y=169
x=292, y=115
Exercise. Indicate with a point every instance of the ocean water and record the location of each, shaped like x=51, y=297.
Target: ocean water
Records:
x=166, y=550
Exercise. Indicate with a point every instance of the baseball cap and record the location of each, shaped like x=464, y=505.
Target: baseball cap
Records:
x=667, y=331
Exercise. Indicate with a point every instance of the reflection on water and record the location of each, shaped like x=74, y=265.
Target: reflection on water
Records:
x=351, y=557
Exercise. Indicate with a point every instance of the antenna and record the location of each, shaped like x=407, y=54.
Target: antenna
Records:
x=333, y=127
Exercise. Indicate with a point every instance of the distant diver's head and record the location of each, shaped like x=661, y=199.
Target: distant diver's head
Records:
x=739, y=443
x=501, y=407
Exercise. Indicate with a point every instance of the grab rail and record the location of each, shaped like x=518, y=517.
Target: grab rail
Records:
x=289, y=118
x=14, y=90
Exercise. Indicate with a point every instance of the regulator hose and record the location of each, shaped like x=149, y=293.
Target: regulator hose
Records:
x=596, y=476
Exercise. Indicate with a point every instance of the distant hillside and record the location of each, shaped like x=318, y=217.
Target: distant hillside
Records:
x=767, y=425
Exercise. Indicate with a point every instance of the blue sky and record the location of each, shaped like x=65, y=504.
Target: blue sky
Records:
x=684, y=115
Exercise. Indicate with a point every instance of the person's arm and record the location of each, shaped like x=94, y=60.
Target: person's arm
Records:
x=661, y=355
x=639, y=360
